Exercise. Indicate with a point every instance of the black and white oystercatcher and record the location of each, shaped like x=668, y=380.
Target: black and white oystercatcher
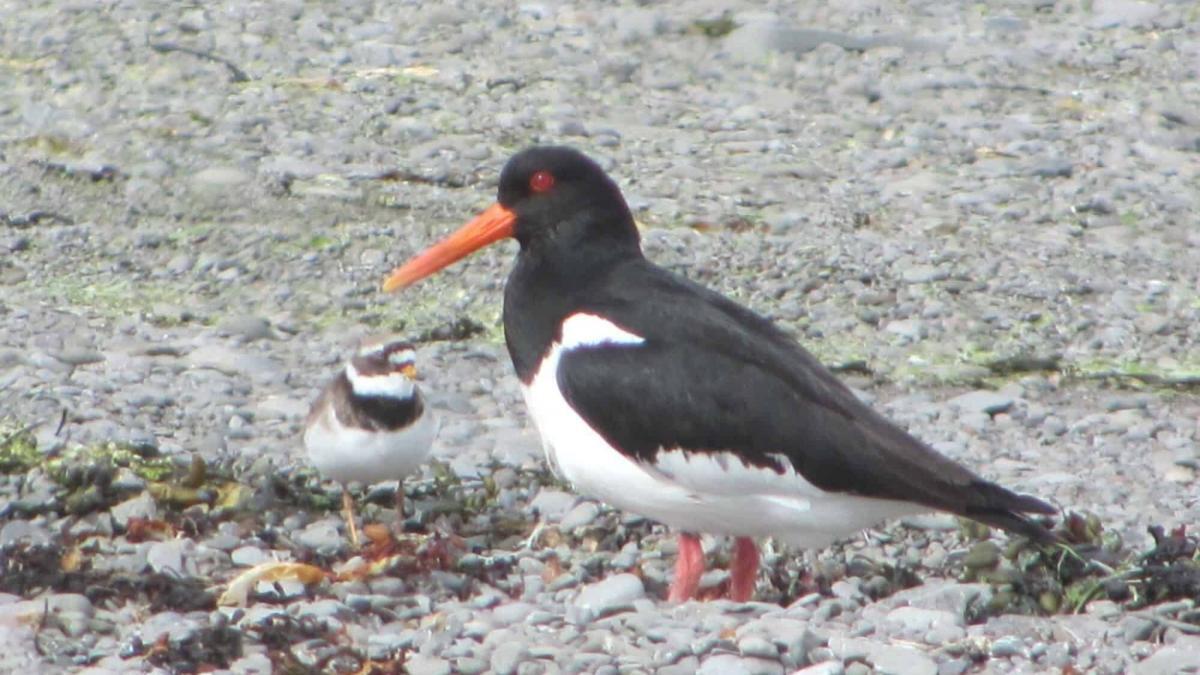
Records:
x=370, y=423
x=661, y=397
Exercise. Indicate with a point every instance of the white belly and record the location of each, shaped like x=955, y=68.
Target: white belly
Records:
x=352, y=455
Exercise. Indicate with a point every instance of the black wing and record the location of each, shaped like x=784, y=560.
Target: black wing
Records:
x=713, y=376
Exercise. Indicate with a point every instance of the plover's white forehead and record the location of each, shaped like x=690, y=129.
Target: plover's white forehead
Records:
x=402, y=357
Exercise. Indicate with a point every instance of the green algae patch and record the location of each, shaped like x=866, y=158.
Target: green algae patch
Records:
x=18, y=449
x=108, y=456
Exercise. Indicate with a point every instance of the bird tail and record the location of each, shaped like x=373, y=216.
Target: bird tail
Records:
x=1003, y=508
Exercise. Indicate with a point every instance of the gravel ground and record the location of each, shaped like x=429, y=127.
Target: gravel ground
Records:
x=985, y=214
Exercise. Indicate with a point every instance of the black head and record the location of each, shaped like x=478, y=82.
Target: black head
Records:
x=558, y=193
x=556, y=202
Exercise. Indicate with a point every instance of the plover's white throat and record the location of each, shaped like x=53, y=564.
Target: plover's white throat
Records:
x=370, y=423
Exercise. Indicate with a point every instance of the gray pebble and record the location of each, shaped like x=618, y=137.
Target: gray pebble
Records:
x=614, y=594
x=1182, y=656
x=732, y=664
x=988, y=402
x=582, y=515
x=507, y=657
x=15, y=531
x=902, y=661
x=324, y=536
x=168, y=556
x=142, y=506
x=1007, y=647
x=470, y=665
x=512, y=612
x=79, y=356
x=915, y=620
x=1135, y=628
x=823, y=668
x=247, y=327
x=249, y=556
x=755, y=646
x=420, y=664
x=221, y=181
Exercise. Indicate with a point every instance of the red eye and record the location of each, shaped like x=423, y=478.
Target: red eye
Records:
x=541, y=181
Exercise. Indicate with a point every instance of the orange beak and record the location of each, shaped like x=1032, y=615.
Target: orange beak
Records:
x=489, y=227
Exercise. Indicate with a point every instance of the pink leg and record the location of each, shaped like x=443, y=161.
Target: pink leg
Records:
x=688, y=568
x=743, y=570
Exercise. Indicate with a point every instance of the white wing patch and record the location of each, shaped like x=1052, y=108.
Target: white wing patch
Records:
x=589, y=330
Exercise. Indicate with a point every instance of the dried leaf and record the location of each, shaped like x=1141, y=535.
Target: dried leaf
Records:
x=140, y=529
x=71, y=560
x=552, y=570
x=233, y=496
x=239, y=589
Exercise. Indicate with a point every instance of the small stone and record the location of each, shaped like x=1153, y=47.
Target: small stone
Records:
x=923, y=274
x=249, y=556
x=508, y=656
x=261, y=369
x=915, y=620
x=1181, y=656
x=419, y=664
x=248, y=328
x=955, y=666
x=611, y=595
x=909, y=329
x=79, y=356
x=141, y=506
x=1007, y=646
x=582, y=515
x=168, y=556
x=988, y=402
x=15, y=531
x=552, y=504
x=1052, y=168
x=758, y=647
x=902, y=661
x=636, y=25
x=512, y=612
x=950, y=596
x=216, y=181
x=322, y=536
x=732, y=664
x=823, y=668
x=282, y=407
x=572, y=128
x=1127, y=403
x=984, y=555
x=1135, y=628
